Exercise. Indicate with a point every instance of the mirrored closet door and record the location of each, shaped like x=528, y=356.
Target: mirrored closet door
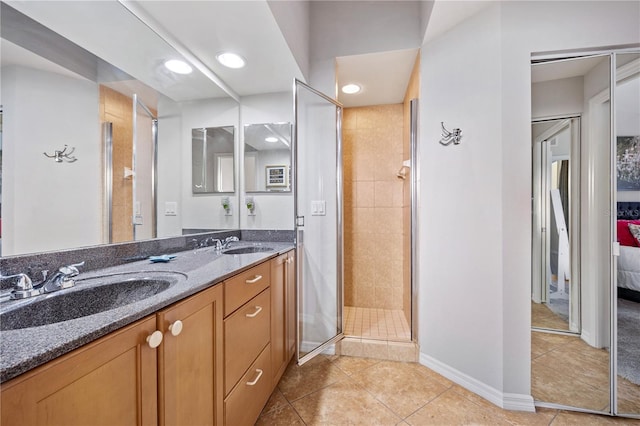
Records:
x=585, y=291
x=627, y=264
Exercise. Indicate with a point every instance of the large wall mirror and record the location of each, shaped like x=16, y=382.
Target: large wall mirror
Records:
x=213, y=159
x=267, y=157
x=61, y=85
x=586, y=174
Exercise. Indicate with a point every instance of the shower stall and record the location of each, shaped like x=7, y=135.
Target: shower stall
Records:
x=379, y=169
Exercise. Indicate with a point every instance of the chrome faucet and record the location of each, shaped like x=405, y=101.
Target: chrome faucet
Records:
x=23, y=287
x=61, y=279
x=227, y=241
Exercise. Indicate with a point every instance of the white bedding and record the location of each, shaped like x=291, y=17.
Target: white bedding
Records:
x=629, y=268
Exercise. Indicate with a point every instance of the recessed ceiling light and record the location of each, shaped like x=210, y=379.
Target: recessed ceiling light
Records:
x=350, y=88
x=271, y=139
x=178, y=66
x=231, y=60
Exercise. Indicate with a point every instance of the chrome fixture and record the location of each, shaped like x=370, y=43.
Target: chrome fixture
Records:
x=23, y=287
x=63, y=155
x=210, y=240
x=448, y=137
x=227, y=241
x=62, y=279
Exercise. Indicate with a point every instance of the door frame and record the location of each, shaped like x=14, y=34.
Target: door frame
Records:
x=299, y=224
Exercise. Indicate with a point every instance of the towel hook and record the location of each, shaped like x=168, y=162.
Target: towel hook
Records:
x=449, y=137
x=62, y=155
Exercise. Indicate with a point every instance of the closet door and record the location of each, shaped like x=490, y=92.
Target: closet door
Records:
x=318, y=211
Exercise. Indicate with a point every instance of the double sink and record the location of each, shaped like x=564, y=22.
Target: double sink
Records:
x=96, y=294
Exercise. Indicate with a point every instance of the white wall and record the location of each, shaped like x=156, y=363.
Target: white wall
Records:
x=48, y=205
x=475, y=319
x=274, y=210
x=294, y=21
x=204, y=211
x=460, y=211
x=554, y=98
x=169, y=166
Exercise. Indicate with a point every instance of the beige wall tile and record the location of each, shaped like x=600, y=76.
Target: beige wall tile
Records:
x=365, y=193
x=349, y=116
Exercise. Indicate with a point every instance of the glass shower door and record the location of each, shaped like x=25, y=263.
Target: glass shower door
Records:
x=318, y=209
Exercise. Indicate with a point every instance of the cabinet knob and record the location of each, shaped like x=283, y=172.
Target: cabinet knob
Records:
x=258, y=310
x=254, y=279
x=176, y=328
x=252, y=383
x=154, y=339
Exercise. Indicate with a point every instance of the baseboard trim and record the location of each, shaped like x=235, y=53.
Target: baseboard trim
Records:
x=508, y=401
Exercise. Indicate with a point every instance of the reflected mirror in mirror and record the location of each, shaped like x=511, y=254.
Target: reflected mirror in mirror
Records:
x=212, y=160
x=627, y=107
x=571, y=288
x=55, y=92
x=556, y=298
x=267, y=157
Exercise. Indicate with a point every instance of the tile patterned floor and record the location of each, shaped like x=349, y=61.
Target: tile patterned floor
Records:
x=372, y=323
x=566, y=370
x=543, y=317
x=342, y=390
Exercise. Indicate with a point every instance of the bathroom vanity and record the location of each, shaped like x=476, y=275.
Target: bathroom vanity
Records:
x=203, y=351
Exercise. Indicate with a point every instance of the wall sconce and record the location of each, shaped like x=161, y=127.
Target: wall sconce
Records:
x=448, y=137
x=251, y=206
x=226, y=205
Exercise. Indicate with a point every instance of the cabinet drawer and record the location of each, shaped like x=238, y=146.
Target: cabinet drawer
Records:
x=246, y=333
x=245, y=402
x=242, y=287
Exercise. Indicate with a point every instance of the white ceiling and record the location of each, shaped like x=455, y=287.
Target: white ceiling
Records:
x=199, y=30
x=383, y=77
x=247, y=28
x=564, y=69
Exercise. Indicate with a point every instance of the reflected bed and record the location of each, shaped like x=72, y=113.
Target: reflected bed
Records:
x=629, y=259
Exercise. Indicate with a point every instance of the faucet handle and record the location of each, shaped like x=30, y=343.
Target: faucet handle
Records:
x=23, y=287
x=23, y=282
x=70, y=270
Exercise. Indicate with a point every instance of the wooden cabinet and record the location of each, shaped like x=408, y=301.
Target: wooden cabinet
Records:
x=247, y=353
x=190, y=361
x=283, y=314
x=111, y=381
x=219, y=356
x=291, y=316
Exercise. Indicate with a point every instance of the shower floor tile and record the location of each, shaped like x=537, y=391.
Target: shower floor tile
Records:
x=374, y=323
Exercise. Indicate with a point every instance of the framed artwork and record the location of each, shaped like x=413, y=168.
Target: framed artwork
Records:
x=277, y=176
x=628, y=163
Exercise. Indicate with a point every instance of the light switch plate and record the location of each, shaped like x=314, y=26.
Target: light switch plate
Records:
x=318, y=208
x=170, y=208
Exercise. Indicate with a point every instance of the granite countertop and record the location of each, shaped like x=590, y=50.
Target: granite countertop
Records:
x=189, y=272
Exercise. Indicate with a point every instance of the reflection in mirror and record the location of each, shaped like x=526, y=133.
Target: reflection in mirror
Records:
x=627, y=107
x=556, y=298
x=212, y=159
x=267, y=157
x=570, y=341
x=55, y=92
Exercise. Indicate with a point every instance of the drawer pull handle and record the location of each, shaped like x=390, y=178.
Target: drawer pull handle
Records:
x=154, y=339
x=254, y=280
x=258, y=310
x=256, y=379
x=176, y=328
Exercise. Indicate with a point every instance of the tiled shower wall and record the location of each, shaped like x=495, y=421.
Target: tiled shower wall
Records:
x=373, y=201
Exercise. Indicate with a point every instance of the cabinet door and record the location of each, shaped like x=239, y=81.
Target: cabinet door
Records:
x=279, y=348
x=112, y=381
x=190, y=363
x=291, y=306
